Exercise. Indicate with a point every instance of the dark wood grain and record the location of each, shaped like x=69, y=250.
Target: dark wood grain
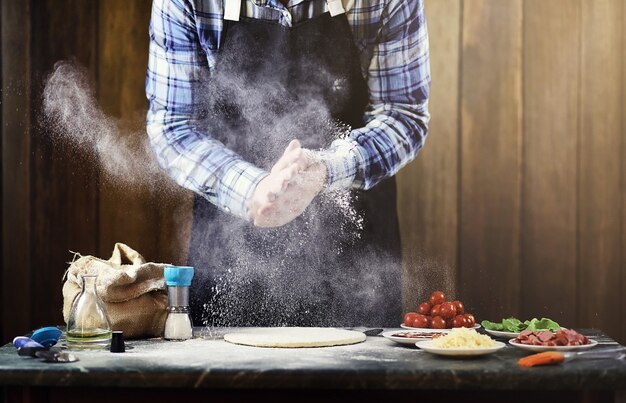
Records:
x=427, y=188
x=1, y=193
x=623, y=263
x=64, y=180
x=143, y=215
x=551, y=108
x=491, y=137
x=521, y=185
x=600, y=165
x=16, y=196
x=126, y=214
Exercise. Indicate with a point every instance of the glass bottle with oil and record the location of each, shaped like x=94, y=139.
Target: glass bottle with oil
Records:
x=88, y=326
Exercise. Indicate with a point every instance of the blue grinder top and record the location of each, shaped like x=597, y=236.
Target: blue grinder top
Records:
x=178, y=276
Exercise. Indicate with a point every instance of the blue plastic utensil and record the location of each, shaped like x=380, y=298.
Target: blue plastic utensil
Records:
x=46, y=336
x=21, y=341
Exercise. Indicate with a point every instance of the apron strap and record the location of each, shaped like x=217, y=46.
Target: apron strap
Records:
x=335, y=7
x=232, y=10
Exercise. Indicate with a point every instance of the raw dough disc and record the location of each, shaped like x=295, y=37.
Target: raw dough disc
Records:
x=294, y=337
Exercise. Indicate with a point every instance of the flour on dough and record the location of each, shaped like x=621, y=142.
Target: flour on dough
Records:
x=294, y=337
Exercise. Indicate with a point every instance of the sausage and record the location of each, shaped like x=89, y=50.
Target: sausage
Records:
x=564, y=337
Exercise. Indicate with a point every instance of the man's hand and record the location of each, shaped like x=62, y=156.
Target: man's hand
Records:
x=293, y=183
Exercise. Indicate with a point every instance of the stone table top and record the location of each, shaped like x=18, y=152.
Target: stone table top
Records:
x=377, y=363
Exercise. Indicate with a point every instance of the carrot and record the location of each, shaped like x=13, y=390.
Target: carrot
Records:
x=545, y=358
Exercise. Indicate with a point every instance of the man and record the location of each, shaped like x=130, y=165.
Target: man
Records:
x=307, y=234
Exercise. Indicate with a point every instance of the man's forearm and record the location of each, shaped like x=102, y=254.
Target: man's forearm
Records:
x=203, y=165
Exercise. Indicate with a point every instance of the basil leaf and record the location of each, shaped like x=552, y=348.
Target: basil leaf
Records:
x=492, y=325
x=547, y=324
x=513, y=325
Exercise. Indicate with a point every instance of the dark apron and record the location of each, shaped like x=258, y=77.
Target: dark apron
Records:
x=339, y=263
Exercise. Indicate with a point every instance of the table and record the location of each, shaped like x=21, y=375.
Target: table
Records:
x=208, y=367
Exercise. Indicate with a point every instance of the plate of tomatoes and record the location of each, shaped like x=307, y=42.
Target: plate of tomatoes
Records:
x=439, y=314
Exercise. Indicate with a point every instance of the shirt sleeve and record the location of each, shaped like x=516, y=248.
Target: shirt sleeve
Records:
x=191, y=156
x=397, y=116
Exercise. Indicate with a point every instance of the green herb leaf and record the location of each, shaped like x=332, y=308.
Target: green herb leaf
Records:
x=543, y=324
x=513, y=325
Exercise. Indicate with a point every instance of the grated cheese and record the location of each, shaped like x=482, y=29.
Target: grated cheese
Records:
x=463, y=338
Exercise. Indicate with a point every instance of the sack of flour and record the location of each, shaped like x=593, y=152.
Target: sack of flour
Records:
x=133, y=291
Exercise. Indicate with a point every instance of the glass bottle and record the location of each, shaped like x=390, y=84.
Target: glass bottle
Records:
x=88, y=326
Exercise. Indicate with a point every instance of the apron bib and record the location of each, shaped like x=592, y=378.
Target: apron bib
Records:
x=339, y=263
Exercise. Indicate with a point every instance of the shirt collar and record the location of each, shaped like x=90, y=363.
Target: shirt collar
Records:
x=277, y=3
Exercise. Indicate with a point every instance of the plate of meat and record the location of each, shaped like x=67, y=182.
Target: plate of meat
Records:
x=562, y=340
x=409, y=338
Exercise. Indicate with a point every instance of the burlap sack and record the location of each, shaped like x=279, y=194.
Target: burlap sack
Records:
x=133, y=291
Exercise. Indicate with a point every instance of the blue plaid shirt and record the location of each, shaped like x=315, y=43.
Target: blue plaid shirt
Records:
x=184, y=38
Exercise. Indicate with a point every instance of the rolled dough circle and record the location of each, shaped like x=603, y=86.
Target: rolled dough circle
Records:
x=294, y=337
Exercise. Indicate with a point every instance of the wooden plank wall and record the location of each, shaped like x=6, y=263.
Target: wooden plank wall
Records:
x=1, y=187
x=516, y=204
x=549, y=199
x=623, y=184
x=491, y=133
x=153, y=222
x=428, y=188
x=64, y=188
x=600, y=164
x=125, y=213
x=16, y=197
x=541, y=200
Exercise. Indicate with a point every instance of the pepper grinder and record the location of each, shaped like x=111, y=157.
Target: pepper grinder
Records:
x=178, y=322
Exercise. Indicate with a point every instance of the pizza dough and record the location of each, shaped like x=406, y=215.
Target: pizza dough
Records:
x=294, y=337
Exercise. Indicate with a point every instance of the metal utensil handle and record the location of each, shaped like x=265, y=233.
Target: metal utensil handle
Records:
x=611, y=353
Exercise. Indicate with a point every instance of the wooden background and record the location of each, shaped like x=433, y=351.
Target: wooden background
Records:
x=516, y=205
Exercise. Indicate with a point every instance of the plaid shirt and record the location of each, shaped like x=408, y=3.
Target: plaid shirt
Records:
x=184, y=38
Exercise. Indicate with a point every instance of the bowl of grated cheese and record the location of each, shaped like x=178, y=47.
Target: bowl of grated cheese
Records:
x=461, y=342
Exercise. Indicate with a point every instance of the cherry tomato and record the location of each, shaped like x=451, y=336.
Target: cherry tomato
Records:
x=424, y=308
x=409, y=318
x=459, y=321
x=471, y=321
x=438, y=322
x=429, y=319
x=448, y=311
x=449, y=323
x=437, y=298
x=420, y=321
x=460, y=309
x=436, y=310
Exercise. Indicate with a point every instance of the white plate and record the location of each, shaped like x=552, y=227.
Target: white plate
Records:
x=538, y=349
x=503, y=334
x=458, y=352
x=428, y=329
x=425, y=329
x=405, y=340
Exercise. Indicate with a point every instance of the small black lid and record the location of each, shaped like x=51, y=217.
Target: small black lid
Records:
x=117, y=342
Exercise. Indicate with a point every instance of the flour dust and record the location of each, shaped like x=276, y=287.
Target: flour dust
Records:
x=73, y=117
x=299, y=274
x=425, y=274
